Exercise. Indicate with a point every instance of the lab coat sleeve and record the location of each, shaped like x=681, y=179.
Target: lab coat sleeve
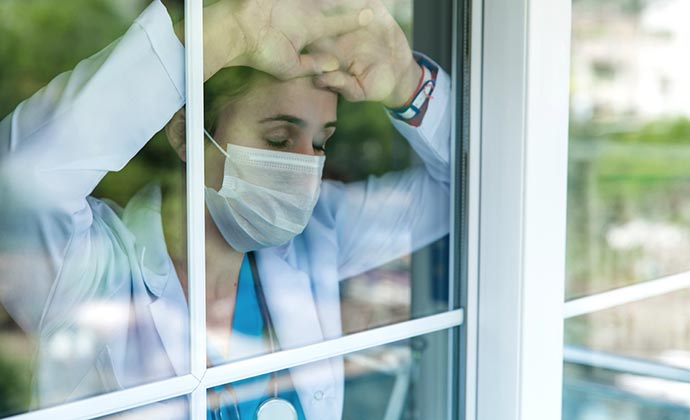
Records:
x=387, y=217
x=56, y=146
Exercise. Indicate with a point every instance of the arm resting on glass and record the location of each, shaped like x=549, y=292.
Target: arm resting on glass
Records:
x=56, y=146
x=384, y=218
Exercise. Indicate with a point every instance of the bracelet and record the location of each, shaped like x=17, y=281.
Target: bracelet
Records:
x=419, y=101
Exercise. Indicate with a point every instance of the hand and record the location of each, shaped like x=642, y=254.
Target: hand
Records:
x=376, y=62
x=269, y=35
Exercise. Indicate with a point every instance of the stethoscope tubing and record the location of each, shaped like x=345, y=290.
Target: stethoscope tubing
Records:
x=269, y=332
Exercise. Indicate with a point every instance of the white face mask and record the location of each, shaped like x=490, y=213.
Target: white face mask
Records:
x=267, y=197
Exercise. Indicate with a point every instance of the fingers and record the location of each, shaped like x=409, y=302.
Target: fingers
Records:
x=325, y=62
x=309, y=65
x=329, y=45
x=380, y=80
x=344, y=23
x=342, y=83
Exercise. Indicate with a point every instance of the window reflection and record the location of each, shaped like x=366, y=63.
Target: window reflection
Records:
x=405, y=380
x=93, y=262
x=653, y=329
x=592, y=393
x=79, y=282
x=359, y=190
x=175, y=409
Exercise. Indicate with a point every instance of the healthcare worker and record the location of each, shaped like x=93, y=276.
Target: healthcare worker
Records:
x=72, y=266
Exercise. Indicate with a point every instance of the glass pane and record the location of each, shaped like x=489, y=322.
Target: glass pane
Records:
x=654, y=329
x=405, y=380
x=629, y=144
x=324, y=193
x=592, y=393
x=92, y=214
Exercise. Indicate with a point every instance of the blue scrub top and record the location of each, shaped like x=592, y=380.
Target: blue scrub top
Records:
x=248, y=321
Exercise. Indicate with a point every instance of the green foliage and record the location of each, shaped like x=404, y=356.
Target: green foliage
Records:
x=15, y=378
x=14, y=384
x=39, y=39
x=618, y=173
x=663, y=131
x=365, y=143
x=632, y=7
x=42, y=38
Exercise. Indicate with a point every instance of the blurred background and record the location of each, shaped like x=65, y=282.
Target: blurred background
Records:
x=628, y=208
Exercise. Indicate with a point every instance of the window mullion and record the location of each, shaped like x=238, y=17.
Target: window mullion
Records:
x=118, y=401
x=627, y=294
x=194, y=66
x=525, y=53
x=331, y=348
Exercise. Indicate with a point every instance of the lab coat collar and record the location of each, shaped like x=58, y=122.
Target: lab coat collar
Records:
x=295, y=317
x=289, y=297
x=143, y=217
x=171, y=318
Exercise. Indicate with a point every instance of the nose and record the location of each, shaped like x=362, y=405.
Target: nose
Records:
x=305, y=147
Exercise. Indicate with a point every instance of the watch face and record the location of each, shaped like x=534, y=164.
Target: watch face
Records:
x=276, y=409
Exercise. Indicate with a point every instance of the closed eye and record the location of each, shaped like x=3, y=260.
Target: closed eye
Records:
x=278, y=143
x=328, y=132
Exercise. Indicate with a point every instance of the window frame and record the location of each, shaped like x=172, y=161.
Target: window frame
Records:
x=616, y=362
x=523, y=132
x=200, y=378
x=597, y=301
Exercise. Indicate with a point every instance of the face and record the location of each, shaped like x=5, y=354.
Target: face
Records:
x=290, y=116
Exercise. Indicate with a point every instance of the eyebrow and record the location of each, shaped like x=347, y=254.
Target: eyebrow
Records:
x=294, y=120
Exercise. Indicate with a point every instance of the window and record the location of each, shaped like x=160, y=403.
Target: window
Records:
x=517, y=209
x=128, y=318
x=626, y=346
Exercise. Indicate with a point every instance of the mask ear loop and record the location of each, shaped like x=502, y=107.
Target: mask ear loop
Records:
x=210, y=137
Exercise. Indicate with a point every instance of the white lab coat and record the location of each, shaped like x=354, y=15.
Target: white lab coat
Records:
x=94, y=283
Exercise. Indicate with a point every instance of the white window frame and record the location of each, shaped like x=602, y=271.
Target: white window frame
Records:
x=200, y=378
x=626, y=294
x=517, y=315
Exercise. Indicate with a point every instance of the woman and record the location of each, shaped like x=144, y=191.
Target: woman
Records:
x=64, y=252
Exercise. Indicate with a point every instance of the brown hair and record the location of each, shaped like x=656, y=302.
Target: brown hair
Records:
x=225, y=87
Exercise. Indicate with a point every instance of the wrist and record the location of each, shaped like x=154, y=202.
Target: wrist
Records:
x=414, y=110
x=406, y=88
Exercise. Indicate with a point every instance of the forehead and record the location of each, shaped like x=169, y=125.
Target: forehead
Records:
x=297, y=97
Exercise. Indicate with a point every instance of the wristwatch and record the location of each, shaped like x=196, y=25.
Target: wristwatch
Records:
x=413, y=111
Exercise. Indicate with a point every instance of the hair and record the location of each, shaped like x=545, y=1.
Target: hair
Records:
x=223, y=88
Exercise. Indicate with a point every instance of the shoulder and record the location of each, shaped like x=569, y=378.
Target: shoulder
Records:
x=139, y=222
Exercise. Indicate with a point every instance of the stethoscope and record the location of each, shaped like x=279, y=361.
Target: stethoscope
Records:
x=273, y=408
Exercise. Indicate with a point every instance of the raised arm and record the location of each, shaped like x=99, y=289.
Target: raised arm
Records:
x=386, y=217
x=57, y=145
